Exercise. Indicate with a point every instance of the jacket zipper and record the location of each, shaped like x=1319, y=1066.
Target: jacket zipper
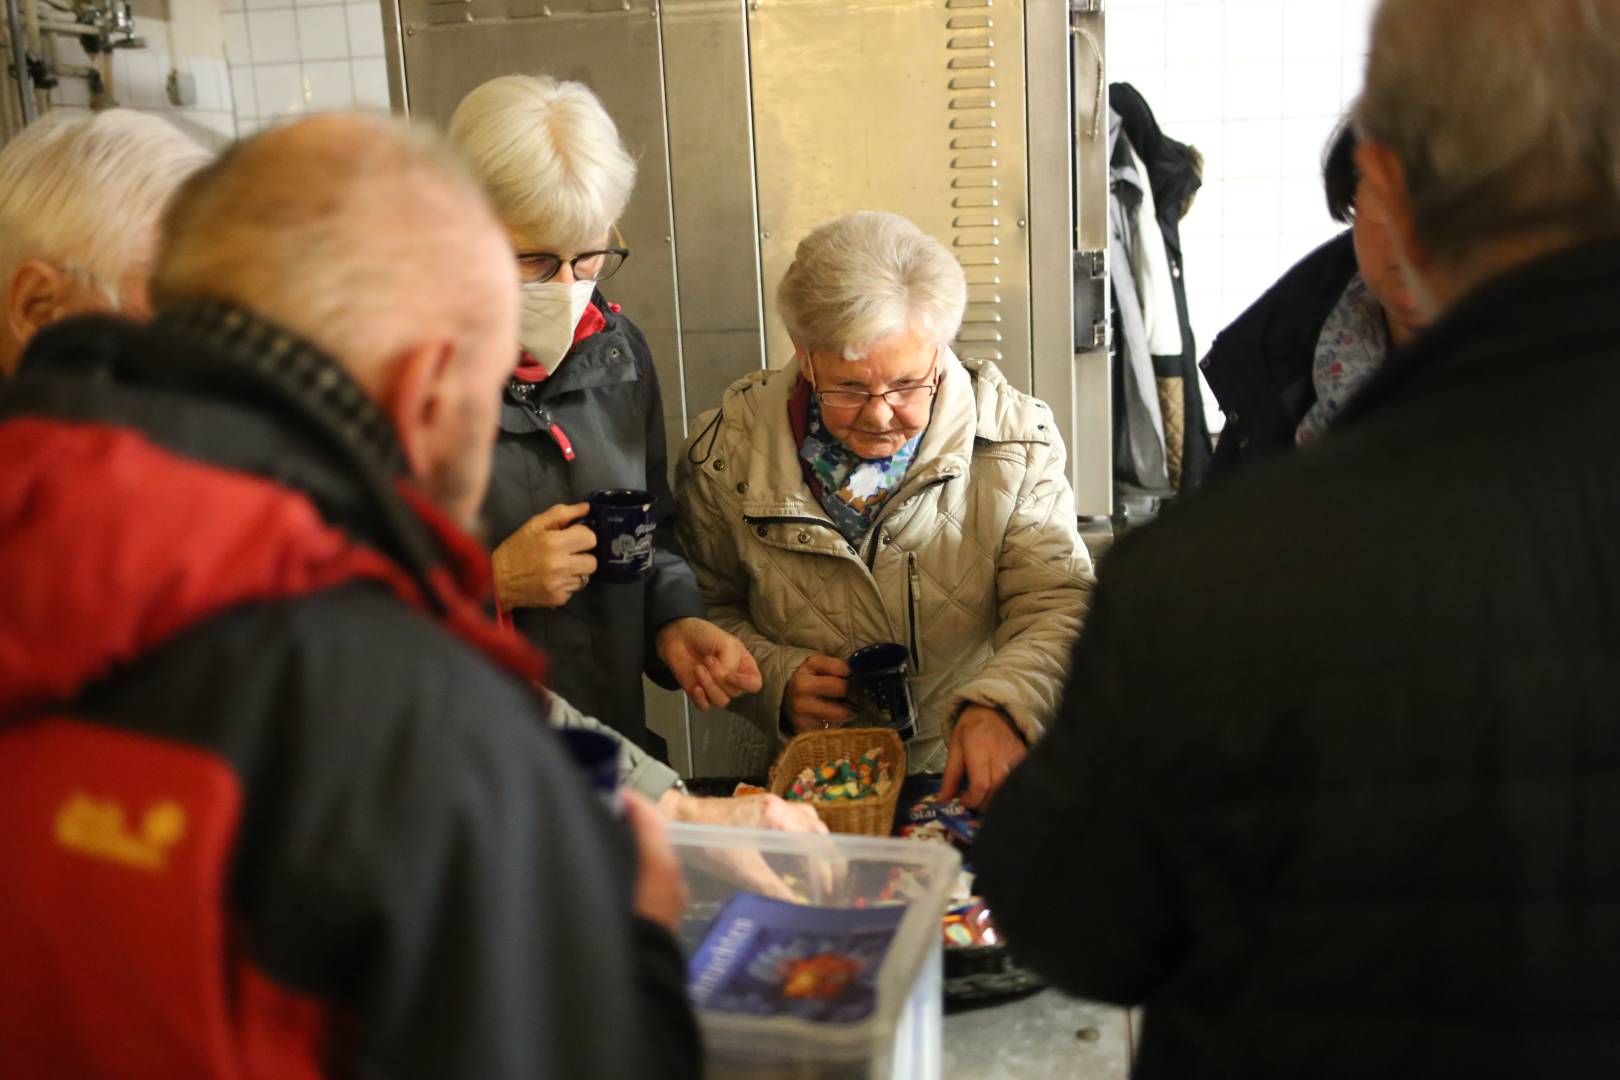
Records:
x=877, y=526
x=913, y=598
x=524, y=392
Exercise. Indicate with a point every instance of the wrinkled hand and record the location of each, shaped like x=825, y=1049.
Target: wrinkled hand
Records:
x=746, y=866
x=815, y=695
x=660, y=888
x=984, y=747
x=748, y=812
x=711, y=665
x=547, y=560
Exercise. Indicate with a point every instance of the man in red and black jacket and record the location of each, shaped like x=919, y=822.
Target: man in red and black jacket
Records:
x=276, y=799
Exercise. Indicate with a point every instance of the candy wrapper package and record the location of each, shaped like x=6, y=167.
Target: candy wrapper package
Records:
x=766, y=957
x=941, y=820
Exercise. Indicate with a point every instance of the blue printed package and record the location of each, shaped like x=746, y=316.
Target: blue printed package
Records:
x=766, y=957
x=932, y=819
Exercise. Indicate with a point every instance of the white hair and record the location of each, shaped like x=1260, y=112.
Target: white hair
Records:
x=356, y=232
x=550, y=157
x=86, y=193
x=1505, y=114
x=867, y=276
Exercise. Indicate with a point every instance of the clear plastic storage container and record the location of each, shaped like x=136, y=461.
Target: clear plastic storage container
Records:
x=900, y=1039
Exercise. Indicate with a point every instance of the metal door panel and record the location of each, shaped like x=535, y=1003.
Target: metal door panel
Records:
x=716, y=226
x=911, y=106
x=717, y=270
x=615, y=49
x=1090, y=404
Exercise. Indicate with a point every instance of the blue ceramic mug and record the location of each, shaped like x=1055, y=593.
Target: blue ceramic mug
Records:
x=880, y=688
x=623, y=522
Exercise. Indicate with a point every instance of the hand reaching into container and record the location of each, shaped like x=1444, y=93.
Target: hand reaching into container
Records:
x=743, y=865
x=547, y=560
x=815, y=695
x=985, y=746
x=748, y=812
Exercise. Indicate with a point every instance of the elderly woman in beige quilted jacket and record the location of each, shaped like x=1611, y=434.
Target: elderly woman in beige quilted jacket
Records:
x=879, y=489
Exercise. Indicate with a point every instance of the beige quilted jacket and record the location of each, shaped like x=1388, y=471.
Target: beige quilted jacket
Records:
x=976, y=563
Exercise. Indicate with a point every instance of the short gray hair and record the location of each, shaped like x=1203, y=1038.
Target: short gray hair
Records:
x=86, y=193
x=356, y=232
x=867, y=276
x=1504, y=113
x=550, y=157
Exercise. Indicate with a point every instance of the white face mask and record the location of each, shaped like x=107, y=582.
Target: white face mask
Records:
x=551, y=311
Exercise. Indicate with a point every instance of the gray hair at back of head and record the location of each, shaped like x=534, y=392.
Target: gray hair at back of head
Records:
x=1505, y=114
x=86, y=193
x=550, y=157
x=356, y=232
x=867, y=276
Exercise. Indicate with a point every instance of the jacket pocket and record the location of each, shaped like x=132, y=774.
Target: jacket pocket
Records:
x=913, y=608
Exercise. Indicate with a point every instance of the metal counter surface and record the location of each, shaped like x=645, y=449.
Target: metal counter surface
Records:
x=1046, y=1036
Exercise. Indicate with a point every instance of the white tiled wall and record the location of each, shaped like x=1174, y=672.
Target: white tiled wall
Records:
x=289, y=58
x=140, y=81
x=1257, y=86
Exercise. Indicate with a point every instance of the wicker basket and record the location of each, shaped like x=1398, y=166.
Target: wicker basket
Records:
x=872, y=816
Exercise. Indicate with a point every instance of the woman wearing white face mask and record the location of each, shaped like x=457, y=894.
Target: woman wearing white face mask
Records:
x=582, y=412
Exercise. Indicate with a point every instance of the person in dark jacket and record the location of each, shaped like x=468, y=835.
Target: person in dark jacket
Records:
x=1370, y=834
x=276, y=798
x=582, y=412
x=1287, y=367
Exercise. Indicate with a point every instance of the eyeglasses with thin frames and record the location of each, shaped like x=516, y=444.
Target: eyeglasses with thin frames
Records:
x=900, y=398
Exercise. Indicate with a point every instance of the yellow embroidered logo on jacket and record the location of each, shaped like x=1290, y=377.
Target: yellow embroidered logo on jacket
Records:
x=95, y=827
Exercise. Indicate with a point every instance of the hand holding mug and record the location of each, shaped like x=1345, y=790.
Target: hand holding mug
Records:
x=547, y=560
x=815, y=694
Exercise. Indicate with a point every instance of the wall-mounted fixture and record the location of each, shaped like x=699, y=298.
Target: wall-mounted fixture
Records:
x=99, y=25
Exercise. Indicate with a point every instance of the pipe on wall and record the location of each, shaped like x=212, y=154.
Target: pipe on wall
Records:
x=19, y=59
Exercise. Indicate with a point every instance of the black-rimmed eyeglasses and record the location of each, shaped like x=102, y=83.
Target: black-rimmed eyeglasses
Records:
x=540, y=266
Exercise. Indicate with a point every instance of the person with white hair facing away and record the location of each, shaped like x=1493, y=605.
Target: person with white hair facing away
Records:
x=80, y=202
x=879, y=489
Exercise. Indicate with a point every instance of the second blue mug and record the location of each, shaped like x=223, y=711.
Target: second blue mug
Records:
x=622, y=519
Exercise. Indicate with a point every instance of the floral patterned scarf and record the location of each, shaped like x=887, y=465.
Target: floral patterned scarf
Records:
x=1354, y=342
x=852, y=489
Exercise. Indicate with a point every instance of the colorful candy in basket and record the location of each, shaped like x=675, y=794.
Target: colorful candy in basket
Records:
x=843, y=780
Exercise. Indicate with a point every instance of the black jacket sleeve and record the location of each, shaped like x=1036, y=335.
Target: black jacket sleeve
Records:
x=1068, y=855
x=672, y=591
x=418, y=847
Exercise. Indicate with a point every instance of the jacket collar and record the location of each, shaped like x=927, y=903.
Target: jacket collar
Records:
x=1539, y=313
x=224, y=387
x=775, y=485
x=309, y=381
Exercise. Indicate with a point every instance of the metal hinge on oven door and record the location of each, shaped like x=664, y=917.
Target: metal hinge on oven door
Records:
x=1093, y=324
